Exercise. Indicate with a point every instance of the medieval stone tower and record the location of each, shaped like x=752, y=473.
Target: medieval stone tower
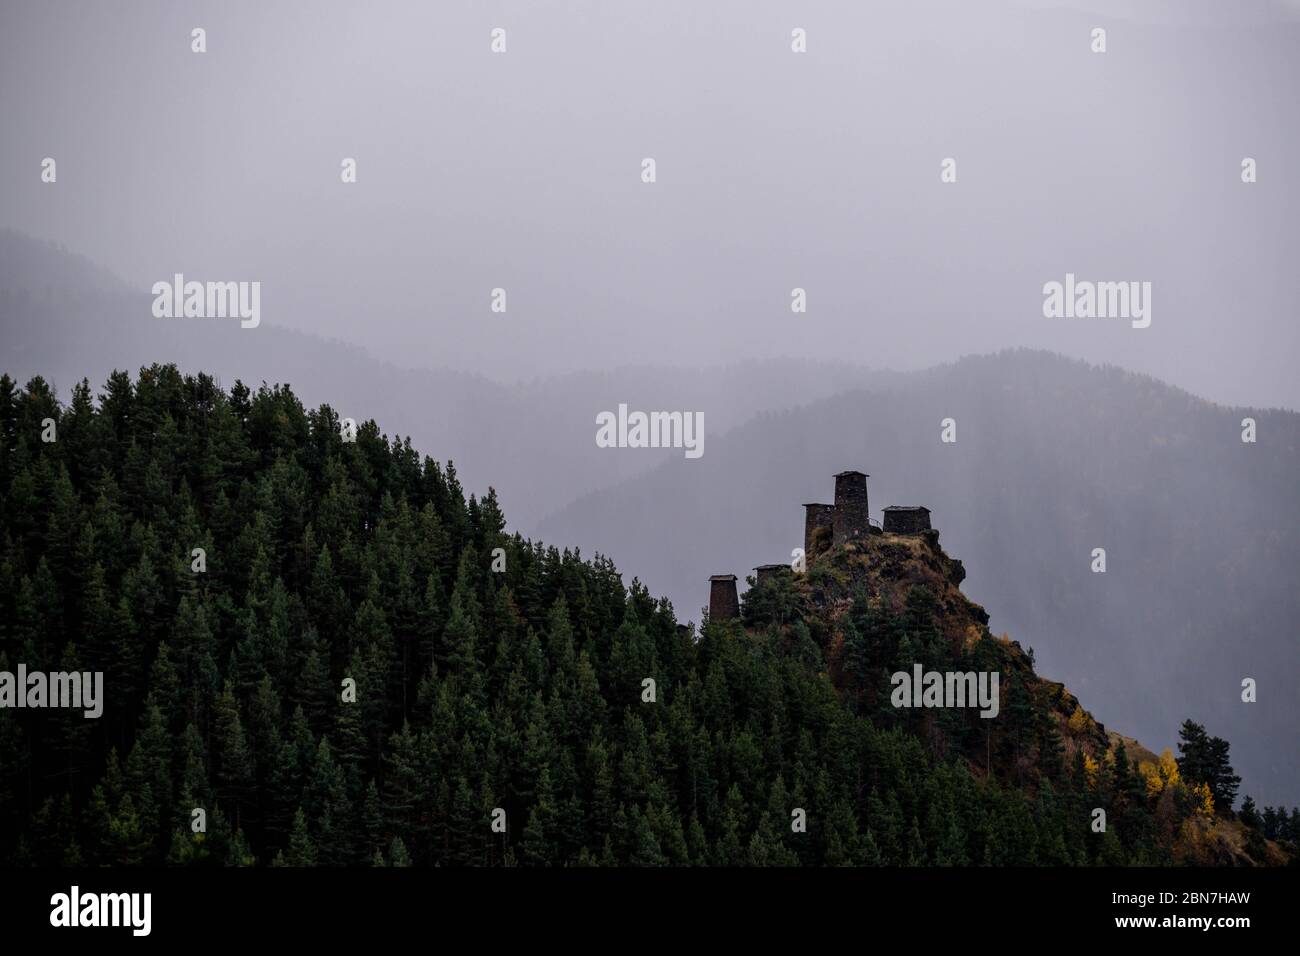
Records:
x=723, y=603
x=825, y=527
x=906, y=519
x=851, y=514
x=818, y=525
x=770, y=572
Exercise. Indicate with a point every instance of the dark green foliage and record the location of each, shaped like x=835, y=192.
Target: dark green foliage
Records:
x=1204, y=759
x=476, y=688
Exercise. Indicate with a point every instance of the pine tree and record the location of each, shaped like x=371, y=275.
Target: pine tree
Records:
x=1222, y=781
x=1194, y=752
x=235, y=773
x=480, y=688
x=302, y=851
x=1249, y=813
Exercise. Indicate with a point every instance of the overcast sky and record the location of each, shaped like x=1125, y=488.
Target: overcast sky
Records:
x=775, y=170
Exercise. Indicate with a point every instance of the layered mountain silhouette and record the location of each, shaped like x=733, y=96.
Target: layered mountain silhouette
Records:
x=64, y=318
x=1053, y=459
x=318, y=643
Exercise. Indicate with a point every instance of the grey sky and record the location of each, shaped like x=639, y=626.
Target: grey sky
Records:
x=775, y=170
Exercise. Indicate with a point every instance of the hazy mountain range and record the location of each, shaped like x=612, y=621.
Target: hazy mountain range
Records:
x=1053, y=458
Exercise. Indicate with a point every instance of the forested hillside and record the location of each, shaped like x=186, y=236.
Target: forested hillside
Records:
x=1053, y=458
x=488, y=679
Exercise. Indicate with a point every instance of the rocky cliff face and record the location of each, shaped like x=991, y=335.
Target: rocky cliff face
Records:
x=886, y=603
x=888, y=570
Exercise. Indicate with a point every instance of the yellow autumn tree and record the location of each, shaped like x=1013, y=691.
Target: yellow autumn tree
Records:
x=1203, y=801
x=1078, y=720
x=1160, y=775
x=1151, y=774
x=1168, y=768
x=1090, y=771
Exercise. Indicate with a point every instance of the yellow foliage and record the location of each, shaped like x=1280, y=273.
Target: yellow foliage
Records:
x=1090, y=771
x=1168, y=768
x=1159, y=776
x=1204, y=800
x=1151, y=774
x=1078, y=720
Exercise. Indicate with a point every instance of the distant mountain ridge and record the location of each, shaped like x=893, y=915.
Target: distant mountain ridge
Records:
x=64, y=318
x=487, y=677
x=1054, y=458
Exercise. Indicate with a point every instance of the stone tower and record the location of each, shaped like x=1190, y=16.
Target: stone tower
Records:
x=723, y=603
x=769, y=572
x=817, y=516
x=909, y=519
x=851, y=512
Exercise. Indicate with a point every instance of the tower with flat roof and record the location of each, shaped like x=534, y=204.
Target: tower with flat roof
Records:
x=723, y=603
x=851, y=513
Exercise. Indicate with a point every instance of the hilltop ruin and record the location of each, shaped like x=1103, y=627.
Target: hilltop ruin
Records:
x=827, y=526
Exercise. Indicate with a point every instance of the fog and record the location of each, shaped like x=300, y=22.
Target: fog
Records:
x=522, y=171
